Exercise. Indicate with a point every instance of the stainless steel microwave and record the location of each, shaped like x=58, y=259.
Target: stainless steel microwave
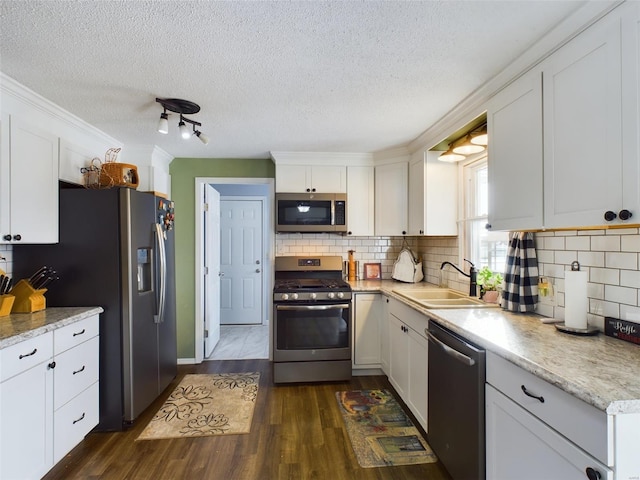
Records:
x=311, y=212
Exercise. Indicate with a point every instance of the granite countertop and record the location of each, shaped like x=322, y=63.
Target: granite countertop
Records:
x=17, y=327
x=600, y=370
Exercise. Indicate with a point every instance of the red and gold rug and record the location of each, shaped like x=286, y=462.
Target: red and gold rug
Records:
x=381, y=433
x=204, y=405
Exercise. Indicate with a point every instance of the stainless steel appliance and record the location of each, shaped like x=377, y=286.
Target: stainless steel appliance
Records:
x=115, y=251
x=312, y=320
x=456, y=422
x=311, y=212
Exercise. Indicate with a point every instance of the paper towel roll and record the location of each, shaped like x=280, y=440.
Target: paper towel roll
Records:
x=575, y=299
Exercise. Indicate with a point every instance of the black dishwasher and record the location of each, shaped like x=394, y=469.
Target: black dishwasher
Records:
x=456, y=425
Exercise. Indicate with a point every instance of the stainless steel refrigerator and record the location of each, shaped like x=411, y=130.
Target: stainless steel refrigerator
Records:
x=116, y=250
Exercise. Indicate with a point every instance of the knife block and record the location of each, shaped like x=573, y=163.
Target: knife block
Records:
x=6, y=302
x=27, y=298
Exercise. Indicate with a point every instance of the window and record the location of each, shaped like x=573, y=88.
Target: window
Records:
x=482, y=247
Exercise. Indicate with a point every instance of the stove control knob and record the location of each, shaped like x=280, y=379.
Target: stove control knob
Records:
x=285, y=296
x=294, y=296
x=331, y=294
x=340, y=294
x=313, y=296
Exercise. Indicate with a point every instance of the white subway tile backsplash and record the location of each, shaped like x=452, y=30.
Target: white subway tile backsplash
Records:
x=605, y=243
x=595, y=291
x=591, y=259
x=630, y=278
x=565, y=257
x=626, y=260
x=610, y=276
x=623, y=295
x=546, y=256
x=630, y=243
x=577, y=243
x=553, y=243
x=628, y=312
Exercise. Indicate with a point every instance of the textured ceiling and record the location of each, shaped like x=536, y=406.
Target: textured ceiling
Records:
x=340, y=76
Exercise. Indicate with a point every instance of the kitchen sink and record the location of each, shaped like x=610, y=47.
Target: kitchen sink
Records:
x=442, y=298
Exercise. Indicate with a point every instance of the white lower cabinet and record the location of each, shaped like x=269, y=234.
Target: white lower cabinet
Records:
x=366, y=330
x=26, y=409
x=48, y=398
x=408, y=358
x=521, y=446
x=535, y=430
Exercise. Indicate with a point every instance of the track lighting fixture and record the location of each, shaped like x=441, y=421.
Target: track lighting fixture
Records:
x=182, y=107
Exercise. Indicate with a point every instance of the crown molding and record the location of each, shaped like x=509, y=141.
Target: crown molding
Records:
x=321, y=158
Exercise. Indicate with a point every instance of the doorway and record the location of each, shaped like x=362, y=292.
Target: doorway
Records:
x=238, y=339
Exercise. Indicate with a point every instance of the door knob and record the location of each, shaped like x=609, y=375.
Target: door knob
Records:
x=257, y=270
x=257, y=262
x=221, y=274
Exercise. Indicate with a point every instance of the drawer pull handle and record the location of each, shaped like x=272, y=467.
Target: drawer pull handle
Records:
x=529, y=394
x=593, y=474
x=79, y=419
x=28, y=354
x=79, y=333
x=78, y=371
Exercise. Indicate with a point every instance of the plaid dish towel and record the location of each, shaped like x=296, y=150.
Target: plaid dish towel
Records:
x=520, y=292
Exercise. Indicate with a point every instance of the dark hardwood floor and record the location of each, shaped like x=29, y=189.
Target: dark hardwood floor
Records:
x=297, y=433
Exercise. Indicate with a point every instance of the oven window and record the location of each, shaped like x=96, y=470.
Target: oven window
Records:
x=304, y=212
x=302, y=329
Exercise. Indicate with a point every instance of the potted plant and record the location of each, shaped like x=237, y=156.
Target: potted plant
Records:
x=490, y=284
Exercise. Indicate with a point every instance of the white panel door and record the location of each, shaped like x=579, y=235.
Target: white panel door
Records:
x=212, y=270
x=241, y=262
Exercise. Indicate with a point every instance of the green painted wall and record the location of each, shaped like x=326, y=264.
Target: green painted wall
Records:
x=183, y=172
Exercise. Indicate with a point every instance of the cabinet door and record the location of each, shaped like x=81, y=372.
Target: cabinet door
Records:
x=328, y=179
x=26, y=433
x=34, y=184
x=360, y=201
x=433, y=196
x=384, y=336
x=418, y=358
x=292, y=178
x=391, y=203
x=398, y=356
x=514, y=122
x=583, y=167
x=521, y=446
x=366, y=344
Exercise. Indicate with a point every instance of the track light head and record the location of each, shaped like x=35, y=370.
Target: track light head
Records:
x=184, y=131
x=163, y=124
x=203, y=138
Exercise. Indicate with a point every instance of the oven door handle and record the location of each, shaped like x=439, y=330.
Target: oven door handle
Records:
x=312, y=307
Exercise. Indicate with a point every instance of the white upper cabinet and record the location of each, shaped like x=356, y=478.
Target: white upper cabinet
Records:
x=29, y=185
x=433, y=194
x=311, y=178
x=392, y=182
x=563, y=138
x=514, y=121
x=582, y=104
x=360, y=200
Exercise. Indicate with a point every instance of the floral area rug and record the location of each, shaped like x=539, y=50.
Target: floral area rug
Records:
x=381, y=433
x=203, y=405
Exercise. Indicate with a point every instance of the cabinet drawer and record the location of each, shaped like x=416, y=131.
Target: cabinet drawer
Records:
x=73, y=421
x=67, y=337
x=24, y=355
x=580, y=422
x=76, y=369
x=412, y=318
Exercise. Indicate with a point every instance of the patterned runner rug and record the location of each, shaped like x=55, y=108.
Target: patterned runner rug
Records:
x=381, y=433
x=203, y=405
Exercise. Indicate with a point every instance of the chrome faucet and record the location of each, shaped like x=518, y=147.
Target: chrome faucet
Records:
x=473, y=273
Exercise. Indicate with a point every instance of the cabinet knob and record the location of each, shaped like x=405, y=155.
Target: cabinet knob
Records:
x=308, y=189
x=593, y=474
x=624, y=214
x=349, y=232
x=7, y=237
x=404, y=232
x=488, y=226
x=421, y=232
x=52, y=365
x=313, y=189
x=609, y=215
x=17, y=237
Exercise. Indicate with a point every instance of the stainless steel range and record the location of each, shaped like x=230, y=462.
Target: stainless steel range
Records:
x=312, y=320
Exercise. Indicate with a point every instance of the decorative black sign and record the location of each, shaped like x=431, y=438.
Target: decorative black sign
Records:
x=622, y=329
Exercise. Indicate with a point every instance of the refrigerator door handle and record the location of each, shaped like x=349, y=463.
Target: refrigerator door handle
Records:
x=162, y=255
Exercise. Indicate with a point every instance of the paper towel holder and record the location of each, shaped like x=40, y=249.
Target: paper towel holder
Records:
x=575, y=266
